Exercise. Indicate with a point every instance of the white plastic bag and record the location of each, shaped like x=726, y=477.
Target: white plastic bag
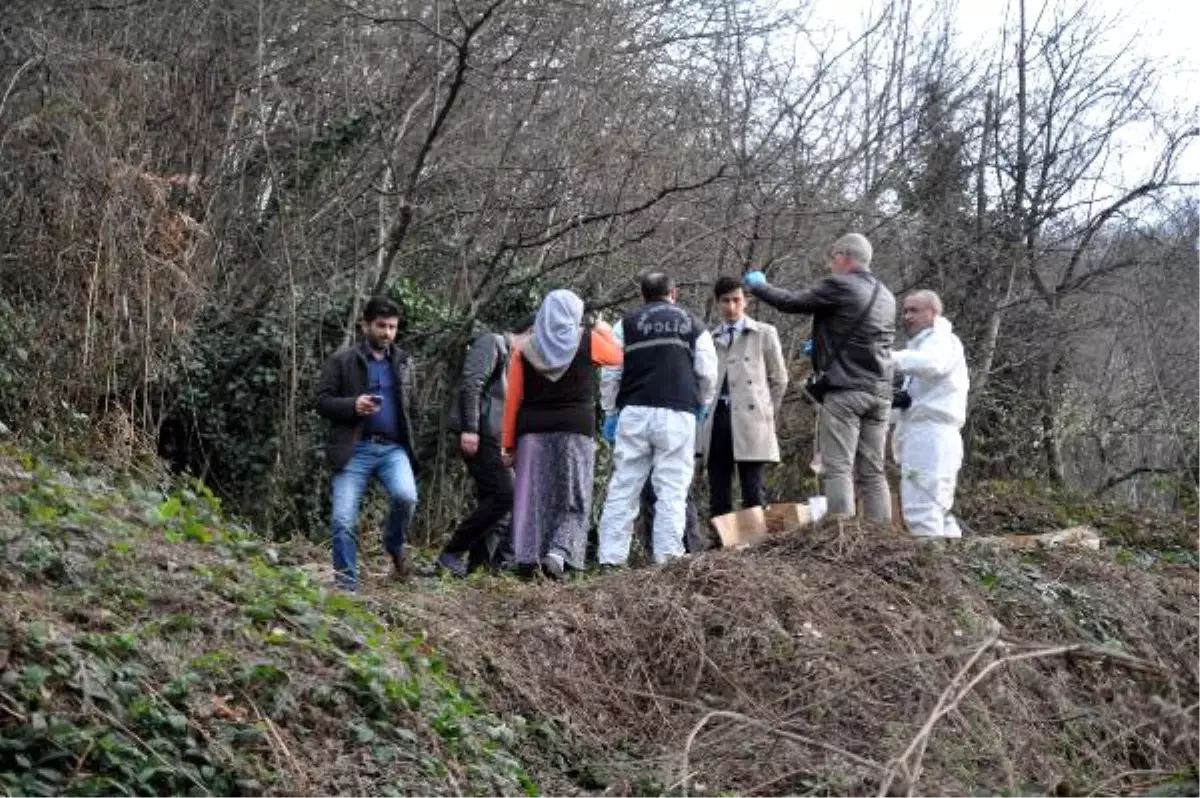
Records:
x=817, y=507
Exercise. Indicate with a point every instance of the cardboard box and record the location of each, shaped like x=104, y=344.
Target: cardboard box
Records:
x=746, y=527
x=741, y=528
x=787, y=517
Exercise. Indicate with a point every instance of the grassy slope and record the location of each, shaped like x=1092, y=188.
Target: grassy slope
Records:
x=149, y=646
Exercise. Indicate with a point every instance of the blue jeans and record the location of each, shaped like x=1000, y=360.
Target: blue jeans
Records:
x=389, y=462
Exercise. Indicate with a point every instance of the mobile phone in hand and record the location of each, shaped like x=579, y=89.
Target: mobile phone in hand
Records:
x=376, y=398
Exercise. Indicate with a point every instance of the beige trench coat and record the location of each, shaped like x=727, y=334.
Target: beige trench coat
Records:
x=758, y=378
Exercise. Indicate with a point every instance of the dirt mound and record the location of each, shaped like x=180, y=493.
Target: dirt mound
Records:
x=844, y=660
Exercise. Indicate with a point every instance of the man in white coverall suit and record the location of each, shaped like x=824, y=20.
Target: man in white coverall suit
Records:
x=927, y=443
x=663, y=388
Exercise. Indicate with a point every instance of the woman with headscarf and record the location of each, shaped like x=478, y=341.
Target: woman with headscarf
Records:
x=549, y=424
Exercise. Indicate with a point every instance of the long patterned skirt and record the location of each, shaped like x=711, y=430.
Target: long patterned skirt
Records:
x=552, y=496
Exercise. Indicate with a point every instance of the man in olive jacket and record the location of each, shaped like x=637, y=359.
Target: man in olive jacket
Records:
x=854, y=324
x=365, y=392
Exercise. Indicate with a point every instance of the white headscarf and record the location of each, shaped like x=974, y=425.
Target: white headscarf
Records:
x=556, y=334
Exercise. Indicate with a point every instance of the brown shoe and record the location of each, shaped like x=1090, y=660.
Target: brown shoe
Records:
x=401, y=569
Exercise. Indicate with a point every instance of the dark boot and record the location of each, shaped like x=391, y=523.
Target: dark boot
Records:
x=401, y=568
x=453, y=563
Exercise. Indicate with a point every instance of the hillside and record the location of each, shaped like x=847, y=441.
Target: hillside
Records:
x=149, y=645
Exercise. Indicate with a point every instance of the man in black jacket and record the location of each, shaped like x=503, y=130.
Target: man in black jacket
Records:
x=365, y=392
x=854, y=324
x=477, y=416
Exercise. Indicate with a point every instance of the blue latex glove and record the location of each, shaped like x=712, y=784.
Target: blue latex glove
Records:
x=808, y=347
x=701, y=413
x=754, y=279
x=609, y=430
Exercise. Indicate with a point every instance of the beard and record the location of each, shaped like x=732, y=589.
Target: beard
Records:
x=915, y=328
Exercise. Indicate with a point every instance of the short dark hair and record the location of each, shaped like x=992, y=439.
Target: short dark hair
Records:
x=656, y=285
x=523, y=326
x=380, y=307
x=726, y=285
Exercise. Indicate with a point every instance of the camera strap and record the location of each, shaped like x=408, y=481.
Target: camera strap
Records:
x=836, y=356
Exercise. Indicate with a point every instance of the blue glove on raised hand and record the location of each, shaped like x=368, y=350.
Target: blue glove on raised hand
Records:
x=754, y=279
x=609, y=431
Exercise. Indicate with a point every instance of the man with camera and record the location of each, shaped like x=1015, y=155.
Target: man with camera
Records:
x=853, y=329
x=931, y=407
x=365, y=392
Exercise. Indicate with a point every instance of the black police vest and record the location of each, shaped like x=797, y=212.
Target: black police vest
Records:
x=660, y=347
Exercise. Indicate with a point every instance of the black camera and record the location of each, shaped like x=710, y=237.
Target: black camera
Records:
x=817, y=385
x=901, y=399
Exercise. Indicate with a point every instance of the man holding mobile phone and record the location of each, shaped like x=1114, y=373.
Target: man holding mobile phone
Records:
x=365, y=392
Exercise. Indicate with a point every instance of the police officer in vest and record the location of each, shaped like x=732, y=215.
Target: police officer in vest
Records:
x=666, y=385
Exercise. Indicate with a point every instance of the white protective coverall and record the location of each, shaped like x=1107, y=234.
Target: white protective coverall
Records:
x=657, y=442
x=927, y=442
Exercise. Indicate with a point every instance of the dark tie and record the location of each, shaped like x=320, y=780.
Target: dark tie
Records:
x=730, y=329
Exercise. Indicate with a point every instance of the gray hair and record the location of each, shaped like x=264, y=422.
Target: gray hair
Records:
x=856, y=247
x=930, y=298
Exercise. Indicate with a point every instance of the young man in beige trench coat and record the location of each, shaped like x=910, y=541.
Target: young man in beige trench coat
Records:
x=739, y=433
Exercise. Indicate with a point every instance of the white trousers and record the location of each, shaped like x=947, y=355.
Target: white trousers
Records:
x=930, y=455
x=649, y=439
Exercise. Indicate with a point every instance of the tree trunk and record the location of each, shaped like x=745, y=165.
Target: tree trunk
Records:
x=1051, y=442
